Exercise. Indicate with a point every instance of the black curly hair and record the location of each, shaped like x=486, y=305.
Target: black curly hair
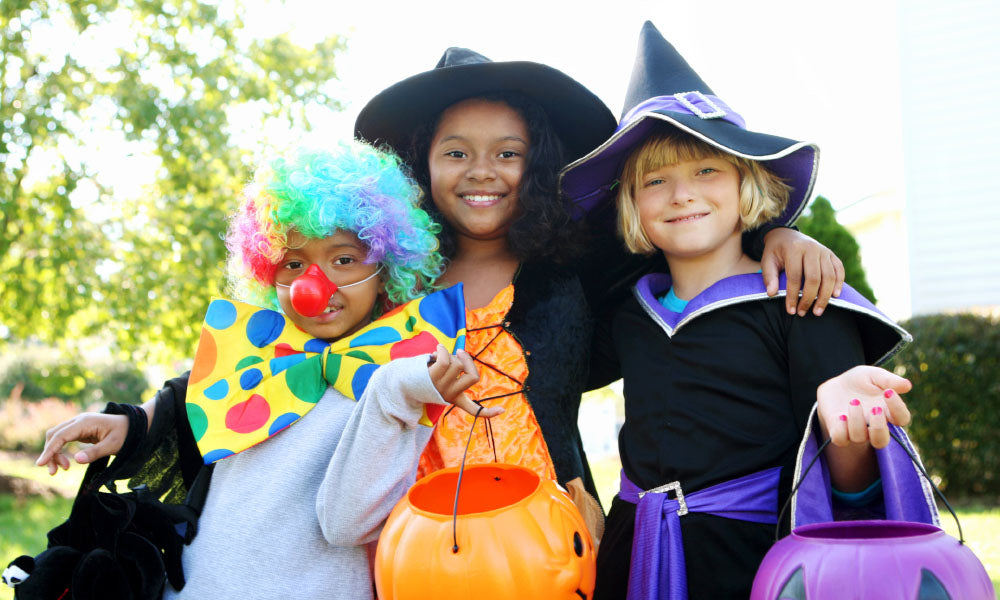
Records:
x=544, y=230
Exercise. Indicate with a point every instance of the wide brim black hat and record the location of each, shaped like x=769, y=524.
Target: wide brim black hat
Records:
x=580, y=119
x=665, y=89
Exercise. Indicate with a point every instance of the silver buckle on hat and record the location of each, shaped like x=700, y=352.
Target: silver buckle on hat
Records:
x=675, y=487
x=717, y=111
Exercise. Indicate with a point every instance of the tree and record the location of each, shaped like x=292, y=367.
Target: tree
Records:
x=821, y=224
x=79, y=259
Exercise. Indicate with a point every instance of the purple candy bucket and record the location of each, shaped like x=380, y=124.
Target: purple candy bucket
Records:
x=870, y=560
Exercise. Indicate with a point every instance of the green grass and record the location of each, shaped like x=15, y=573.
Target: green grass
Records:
x=981, y=526
x=23, y=525
x=25, y=521
x=65, y=483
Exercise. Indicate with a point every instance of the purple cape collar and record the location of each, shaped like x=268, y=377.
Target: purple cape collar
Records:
x=882, y=343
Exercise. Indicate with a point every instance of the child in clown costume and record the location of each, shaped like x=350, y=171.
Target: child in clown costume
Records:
x=725, y=393
x=313, y=417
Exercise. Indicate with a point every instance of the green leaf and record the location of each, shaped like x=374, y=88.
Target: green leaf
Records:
x=136, y=272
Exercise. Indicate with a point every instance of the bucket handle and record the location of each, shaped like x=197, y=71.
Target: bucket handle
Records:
x=913, y=459
x=461, y=470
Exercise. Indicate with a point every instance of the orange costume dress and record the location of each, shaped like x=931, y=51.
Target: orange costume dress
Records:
x=516, y=437
x=513, y=437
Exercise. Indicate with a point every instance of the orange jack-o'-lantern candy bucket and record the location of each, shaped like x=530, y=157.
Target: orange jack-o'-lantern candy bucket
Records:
x=509, y=535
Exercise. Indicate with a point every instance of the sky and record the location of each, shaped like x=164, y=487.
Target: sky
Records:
x=827, y=73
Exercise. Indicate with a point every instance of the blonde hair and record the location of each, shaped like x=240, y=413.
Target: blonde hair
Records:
x=763, y=195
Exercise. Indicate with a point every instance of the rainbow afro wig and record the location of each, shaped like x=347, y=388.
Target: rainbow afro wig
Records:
x=315, y=193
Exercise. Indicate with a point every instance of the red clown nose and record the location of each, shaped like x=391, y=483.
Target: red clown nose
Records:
x=311, y=292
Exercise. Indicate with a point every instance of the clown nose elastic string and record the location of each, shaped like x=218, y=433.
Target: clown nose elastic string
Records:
x=311, y=291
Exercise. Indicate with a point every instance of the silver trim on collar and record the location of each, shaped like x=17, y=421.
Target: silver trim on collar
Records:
x=905, y=336
x=797, y=473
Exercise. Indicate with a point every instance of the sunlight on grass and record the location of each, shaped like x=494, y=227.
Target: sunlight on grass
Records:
x=23, y=525
x=25, y=521
x=22, y=465
x=981, y=526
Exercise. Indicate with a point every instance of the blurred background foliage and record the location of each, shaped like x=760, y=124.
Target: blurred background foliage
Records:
x=83, y=384
x=953, y=363
x=80, y=259
x=821, y=224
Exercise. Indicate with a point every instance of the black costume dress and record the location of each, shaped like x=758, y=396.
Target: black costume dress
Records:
x=726, y=391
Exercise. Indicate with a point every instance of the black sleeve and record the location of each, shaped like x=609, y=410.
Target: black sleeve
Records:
x=819, y=348
x=604, y=364
x=167, y=460
x=606, y=268
x=753, y=240
x=174, y=395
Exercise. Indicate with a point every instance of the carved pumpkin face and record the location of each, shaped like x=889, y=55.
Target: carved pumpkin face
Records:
x=870, y=560
x=518, y=537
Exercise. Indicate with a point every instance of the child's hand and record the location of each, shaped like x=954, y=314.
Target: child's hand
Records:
x=807, y=264
x=854, y=406
x=106, y=433
x=452, y=375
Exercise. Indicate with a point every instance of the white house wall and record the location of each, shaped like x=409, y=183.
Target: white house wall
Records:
x=950, y=61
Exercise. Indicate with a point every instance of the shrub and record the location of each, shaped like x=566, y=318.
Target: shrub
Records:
x=38, y=377
x=122, y=383
x=821, y=224
x=954, y=364
x=41, y=377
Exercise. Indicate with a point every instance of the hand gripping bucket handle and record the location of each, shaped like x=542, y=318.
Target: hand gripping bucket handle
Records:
x=913, y=459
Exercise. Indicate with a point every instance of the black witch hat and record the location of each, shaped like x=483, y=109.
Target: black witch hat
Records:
x=664, y=88
x=580, y=119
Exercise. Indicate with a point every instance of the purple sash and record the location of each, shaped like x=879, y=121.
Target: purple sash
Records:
x=657, y=569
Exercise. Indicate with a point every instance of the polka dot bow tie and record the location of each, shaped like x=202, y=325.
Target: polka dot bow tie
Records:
x=256, y=373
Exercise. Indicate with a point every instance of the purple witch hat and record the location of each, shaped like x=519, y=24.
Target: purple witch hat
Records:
x=664, y=88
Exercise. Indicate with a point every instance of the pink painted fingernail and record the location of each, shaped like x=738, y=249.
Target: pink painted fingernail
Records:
x=887, y=393
x=877, y=410
x=855, y=402
x=843, y=417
